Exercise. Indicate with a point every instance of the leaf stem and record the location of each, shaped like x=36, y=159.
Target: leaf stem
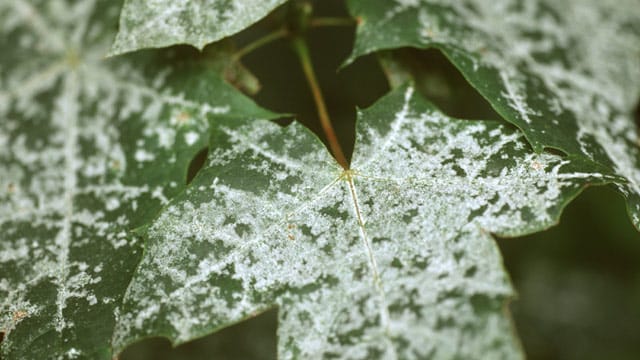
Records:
x=260, y=42
x=300, y=46
x=282, y=32
x=331, y=21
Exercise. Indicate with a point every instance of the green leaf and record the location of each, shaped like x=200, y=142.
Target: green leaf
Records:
x=89, y=149
x=564, y=72
x=145, y=24
x=392, y=259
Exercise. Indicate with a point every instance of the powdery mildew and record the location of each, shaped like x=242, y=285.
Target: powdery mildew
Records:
x=565, y=72
x=392, y=259
x=89, y=149
x=159, y=23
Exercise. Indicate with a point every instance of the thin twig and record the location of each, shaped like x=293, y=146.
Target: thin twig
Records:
x=302, y=51
x=252, y=46
x=331, y=21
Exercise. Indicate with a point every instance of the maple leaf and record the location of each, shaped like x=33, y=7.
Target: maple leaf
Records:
x=89, y=150
x=391, y=259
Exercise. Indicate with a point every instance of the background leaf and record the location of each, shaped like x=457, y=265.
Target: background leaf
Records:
x=145, y=24
x=564, y=72
x=89, y=150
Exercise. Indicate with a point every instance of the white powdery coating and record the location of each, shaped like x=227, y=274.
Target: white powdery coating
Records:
x=564, y=71
x=389, y=260
x=79, y=143
x=159, y=23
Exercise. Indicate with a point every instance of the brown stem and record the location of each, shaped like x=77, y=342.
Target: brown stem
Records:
x=332, y=21
x=302, y=50
x=278, y=34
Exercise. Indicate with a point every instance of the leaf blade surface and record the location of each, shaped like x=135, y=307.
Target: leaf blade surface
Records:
x=89, y=150
x=564, y=72
x=391, y=259
x=145, y=24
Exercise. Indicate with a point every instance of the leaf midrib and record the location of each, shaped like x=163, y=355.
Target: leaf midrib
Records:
x=373, y=266
x=64, y=238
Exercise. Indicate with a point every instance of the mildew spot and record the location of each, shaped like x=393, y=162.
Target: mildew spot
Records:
x=18, y=315
x=536, y=165
x=182, y=118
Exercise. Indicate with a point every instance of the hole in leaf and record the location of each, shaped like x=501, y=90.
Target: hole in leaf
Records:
x=254, y=338
x=437, y=79
x=284, y=87
x=578, y=282
x=196, y=164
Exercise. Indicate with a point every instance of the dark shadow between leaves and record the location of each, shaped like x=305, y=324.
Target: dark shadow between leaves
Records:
x=251, y=339
x=578, y=282
x=196, y=164
x=637, y=118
